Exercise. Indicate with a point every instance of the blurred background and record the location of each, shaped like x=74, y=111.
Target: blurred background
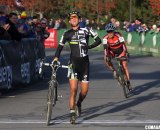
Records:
x=99, y=10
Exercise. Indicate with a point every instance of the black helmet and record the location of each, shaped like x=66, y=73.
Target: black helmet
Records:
x=74, y=12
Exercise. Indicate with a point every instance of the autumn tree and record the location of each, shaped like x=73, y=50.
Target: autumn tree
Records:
x=155, y=4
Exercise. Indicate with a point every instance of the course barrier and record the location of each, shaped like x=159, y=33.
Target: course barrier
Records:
x=19, y=62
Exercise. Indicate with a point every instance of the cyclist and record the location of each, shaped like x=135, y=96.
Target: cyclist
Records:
x=115, y=45
x=78, y=39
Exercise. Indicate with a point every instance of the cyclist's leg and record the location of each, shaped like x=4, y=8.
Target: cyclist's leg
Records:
x=82, y=95
x=84, y=78
x=83, y=92
x=124, y=64
x=73, y=92
x=108, y=62
x=72, y=102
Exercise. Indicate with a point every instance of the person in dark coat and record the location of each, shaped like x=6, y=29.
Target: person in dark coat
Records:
x=13, y=31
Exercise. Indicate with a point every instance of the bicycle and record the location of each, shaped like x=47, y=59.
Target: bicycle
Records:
x=121, y=77
x=52, y=95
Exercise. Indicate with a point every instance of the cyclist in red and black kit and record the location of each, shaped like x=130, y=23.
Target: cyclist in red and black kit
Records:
x=78, y=39
x=115, y=45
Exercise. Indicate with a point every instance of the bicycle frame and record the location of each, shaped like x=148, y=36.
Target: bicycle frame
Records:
x=122, y=76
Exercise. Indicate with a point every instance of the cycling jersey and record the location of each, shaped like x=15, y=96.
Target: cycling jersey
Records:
x=115, y=45
x=78, y=41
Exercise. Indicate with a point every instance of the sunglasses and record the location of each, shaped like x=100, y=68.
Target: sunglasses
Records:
x=43, y=23
x=110, y=31
x=74, y=16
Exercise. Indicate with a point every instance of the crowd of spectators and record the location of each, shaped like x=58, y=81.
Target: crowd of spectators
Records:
x=135, y=26
x=15, y=27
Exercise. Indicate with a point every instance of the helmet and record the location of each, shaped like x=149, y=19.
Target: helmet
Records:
x=110, y=27
x=74, y=12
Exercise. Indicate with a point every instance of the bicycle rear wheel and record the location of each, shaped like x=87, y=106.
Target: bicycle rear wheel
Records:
x=51, y=99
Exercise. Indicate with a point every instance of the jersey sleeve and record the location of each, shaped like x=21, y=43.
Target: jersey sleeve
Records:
x=63, y=39
x=96, y=38
x=120, y=37
x=92, y=33
x=61, y=45
x=104, y=42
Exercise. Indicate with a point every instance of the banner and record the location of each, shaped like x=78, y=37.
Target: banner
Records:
x=19, y=62
x=51, y=41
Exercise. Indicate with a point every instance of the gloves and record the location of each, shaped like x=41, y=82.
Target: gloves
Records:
x=55, y=61
x=127, y=55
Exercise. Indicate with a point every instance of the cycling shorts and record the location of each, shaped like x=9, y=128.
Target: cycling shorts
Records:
x=114, y=52
x=80, y=68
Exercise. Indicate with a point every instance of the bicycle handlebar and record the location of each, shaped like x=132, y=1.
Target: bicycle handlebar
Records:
x=58, y=65
x=121, y=58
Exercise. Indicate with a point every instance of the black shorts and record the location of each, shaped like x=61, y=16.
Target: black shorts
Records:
x=80, y=68
x=115, y=52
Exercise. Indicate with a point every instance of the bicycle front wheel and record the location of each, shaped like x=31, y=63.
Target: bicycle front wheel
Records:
x=122, y=80
x=125, y=90
x=51, y=99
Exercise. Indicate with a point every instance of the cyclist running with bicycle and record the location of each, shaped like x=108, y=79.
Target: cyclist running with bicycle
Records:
x=78, y=39
x=115, y=45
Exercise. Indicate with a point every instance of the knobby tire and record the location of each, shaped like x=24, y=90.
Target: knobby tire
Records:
x=51, y=99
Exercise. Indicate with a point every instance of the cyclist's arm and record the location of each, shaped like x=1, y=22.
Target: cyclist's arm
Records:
x=123, y=42
x=96, y=43
x=58, y=51
x=96, y=38
x=60, y=46
x=105, y=45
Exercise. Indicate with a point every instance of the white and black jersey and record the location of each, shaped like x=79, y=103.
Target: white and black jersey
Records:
x=78, y=41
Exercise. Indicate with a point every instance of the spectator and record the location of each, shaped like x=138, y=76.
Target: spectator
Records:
x=117, y=25
x=13, y=31
x=126, y=26
x=44, y=29
x=82, y=23
x=101, y=25
x=93, y=24
x=23, y=25
x=31, y=28
x=51, y=24
x=35, y=20
x=56, y=25
x=132, y=26
x=4, y=35
x=145, y=28
x=138, y=26
x=154, y=29
x=113, y=21
x=62, y=24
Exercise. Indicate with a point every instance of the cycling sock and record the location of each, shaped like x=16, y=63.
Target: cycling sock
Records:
x=72, y=111
x=81, y=98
